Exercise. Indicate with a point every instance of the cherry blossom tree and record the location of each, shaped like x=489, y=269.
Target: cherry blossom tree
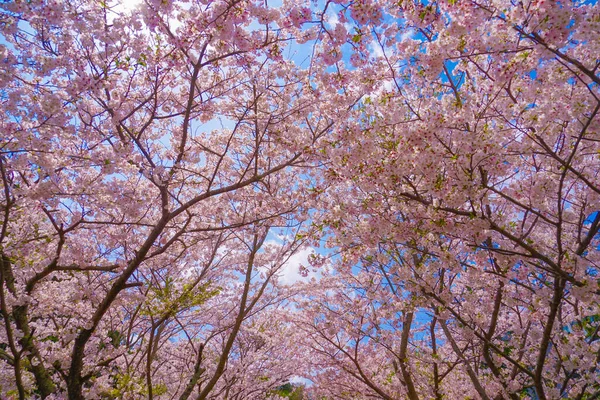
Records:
x=148, y=160
x=161, y=166
x=464, y=196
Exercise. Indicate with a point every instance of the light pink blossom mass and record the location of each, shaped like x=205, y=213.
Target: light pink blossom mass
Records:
x=237, y=199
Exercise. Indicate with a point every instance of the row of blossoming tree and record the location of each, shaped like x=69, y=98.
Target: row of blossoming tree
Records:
x=163, y=165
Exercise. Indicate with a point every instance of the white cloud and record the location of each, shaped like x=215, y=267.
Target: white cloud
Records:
x=127, y=5
x=407, y=35
x=299, y=380
x=290, y=272
x=332, y=18
x=376, y=49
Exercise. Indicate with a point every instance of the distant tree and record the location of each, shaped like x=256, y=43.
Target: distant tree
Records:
x=289, y=391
